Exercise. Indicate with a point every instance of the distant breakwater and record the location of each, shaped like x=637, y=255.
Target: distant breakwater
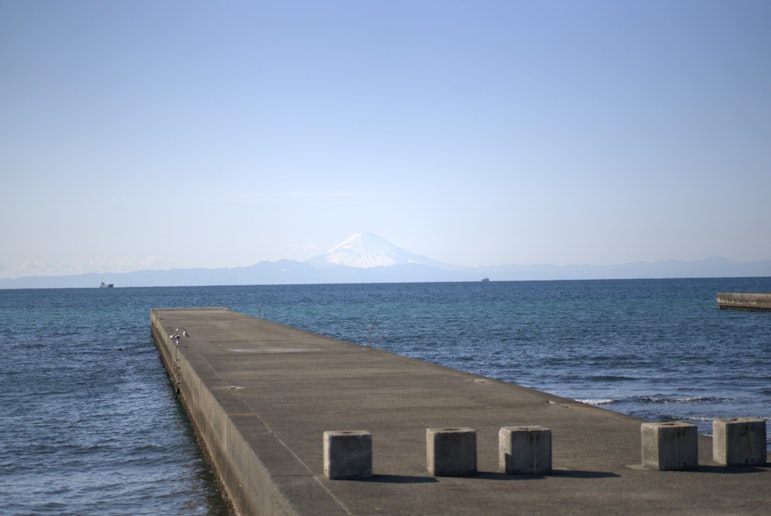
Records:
x=745, y=301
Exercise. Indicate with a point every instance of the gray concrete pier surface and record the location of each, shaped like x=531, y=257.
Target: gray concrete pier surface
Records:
x=261, y=396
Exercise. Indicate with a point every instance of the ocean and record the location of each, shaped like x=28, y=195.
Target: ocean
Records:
x=90, y=423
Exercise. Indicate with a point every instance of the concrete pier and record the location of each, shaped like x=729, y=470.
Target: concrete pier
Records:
x=746, y=301
x=261, y=396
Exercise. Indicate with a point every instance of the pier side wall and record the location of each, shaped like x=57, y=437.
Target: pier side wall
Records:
x=243, y=478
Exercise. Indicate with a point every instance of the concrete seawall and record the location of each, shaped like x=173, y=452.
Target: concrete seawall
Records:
x=746, y=301
x=261, y=395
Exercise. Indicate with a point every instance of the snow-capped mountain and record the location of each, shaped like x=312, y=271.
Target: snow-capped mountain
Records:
x=366, y=251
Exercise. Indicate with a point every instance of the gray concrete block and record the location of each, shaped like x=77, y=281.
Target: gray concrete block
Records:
x=347, y=454
x=739, y=441
x=669, y=446
x=524, y=450
x=451, y=451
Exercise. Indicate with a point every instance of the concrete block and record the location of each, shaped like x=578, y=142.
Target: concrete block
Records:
x=451, y=451
x=347, y=454
x=739, y=441
x=524, y=450
x=668, y=446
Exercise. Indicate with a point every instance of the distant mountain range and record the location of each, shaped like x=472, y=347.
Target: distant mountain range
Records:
x=367, y=258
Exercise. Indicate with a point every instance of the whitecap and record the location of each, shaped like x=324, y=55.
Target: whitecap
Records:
x=597, y=401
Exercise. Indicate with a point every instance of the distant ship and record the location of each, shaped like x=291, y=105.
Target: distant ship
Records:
x=485, y=280
x=106, y=285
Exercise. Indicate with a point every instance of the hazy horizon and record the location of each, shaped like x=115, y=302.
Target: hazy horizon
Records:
x=313, y=260
x=367, y=258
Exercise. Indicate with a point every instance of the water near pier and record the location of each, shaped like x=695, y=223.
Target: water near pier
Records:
x=91, y=425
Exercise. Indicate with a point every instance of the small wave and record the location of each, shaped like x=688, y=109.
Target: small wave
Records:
x=690, y=399
x=696, y=418
x=597, y=401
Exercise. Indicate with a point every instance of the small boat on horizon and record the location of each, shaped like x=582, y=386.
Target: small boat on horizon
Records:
x=106, y=285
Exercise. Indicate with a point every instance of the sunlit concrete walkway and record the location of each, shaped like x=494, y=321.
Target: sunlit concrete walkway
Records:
x=261, y=395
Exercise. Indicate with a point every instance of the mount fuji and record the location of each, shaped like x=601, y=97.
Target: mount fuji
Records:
x=367, y=251
x=367, y=258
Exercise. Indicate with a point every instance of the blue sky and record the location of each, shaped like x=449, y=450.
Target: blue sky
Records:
x=155, y=134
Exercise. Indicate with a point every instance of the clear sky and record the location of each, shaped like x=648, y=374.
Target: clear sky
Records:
x=156, y=134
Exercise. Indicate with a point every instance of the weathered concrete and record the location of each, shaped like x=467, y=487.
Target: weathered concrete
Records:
x=347, y=454
x=261, y=395
x=739, y=441
x=451, y=451
x=524, y=450
x=669, y=445
x=746, y=301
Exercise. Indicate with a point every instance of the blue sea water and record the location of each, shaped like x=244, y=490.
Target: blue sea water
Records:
x=90, y=423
